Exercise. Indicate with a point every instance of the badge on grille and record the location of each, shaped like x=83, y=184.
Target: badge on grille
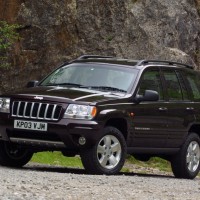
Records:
x=39, y=98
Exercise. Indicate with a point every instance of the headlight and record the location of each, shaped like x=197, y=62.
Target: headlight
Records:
x=80, y=111
x=5, y=105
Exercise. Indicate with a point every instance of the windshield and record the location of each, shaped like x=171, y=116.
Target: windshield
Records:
x=93, y=76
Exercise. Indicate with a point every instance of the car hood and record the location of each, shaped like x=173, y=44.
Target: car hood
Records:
x=66, y=94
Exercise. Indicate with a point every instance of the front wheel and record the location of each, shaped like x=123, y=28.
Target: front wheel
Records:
x=108, y=155
x=186, y=163
x=12, y=155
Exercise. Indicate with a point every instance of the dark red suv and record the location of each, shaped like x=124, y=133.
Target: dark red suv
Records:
x=102, y=108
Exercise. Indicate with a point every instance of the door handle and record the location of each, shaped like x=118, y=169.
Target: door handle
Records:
x=190, y=108
x=162, y=109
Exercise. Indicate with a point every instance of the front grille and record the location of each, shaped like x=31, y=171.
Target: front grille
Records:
x=35, y=110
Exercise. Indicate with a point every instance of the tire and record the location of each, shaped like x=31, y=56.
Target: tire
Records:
x=12, y=155
x=186, y=164
x=108, y=155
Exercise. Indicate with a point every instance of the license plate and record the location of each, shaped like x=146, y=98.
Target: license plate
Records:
x=29, y=125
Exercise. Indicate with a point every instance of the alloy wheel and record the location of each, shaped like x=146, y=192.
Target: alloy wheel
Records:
x=193, y=156
x=109, y=152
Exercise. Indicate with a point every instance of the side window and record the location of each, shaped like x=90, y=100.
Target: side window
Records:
x=151, y=81
x=183, y=86
x=172, y=84
x=194, y=83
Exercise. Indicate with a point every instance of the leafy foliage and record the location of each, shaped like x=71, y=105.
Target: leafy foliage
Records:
x=8, y=36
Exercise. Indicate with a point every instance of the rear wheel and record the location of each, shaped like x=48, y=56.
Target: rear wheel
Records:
x=13, y=155
x=108, y=155
x=186, y=163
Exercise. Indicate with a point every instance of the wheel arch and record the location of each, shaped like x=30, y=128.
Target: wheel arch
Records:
x=195, y=128
x=119, y=123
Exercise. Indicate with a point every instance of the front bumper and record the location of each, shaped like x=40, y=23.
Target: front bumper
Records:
x=63, y=134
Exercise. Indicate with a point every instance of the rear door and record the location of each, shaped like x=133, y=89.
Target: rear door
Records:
x=192, y=79
x=180, y=110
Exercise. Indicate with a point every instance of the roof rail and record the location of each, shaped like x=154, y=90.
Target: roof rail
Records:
x=92, y=56
x=165, y=62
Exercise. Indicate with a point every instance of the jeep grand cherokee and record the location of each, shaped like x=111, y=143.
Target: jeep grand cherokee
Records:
x=102, y=108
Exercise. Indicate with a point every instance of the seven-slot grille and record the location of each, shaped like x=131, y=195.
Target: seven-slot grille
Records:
x=35, y=110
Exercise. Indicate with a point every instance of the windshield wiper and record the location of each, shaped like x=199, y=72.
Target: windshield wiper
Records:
x=67, y=84
x=105, y=88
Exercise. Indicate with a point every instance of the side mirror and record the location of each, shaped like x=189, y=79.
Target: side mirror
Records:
x=149, y=95
x=32, y=84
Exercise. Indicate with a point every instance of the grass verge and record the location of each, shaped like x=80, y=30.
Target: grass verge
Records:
x=56, y=158
x=154, y=162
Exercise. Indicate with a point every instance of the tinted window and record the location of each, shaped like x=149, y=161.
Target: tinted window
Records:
x=172, y=83
x=183, y=86
x=194, y=84
x=151, y=81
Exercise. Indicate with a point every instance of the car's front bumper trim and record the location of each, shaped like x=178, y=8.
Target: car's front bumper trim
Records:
x=34, y=142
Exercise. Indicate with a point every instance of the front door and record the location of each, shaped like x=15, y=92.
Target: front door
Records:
x=150, y=118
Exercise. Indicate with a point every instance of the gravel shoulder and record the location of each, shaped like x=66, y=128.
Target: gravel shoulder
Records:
x=47, y=182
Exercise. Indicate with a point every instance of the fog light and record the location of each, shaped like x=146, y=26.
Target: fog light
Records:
x=82, y=140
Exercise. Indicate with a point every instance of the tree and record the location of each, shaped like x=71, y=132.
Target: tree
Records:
x=8, y=36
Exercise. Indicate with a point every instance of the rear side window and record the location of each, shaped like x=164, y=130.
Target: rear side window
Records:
x=183, y=86
x=173, y=86
x=194, y=84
